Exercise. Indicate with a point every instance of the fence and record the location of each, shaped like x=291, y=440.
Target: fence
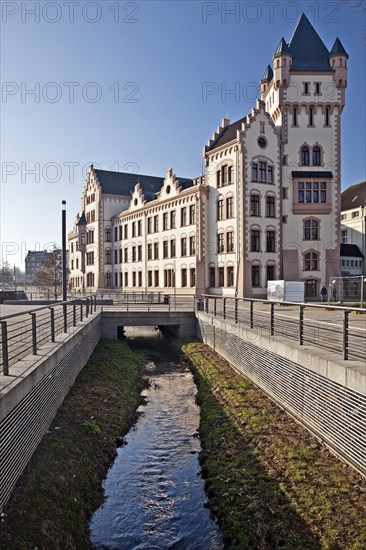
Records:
x=304, y=323
x=24, y=333
x=348, y=289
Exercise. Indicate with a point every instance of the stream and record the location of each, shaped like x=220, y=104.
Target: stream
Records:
x=154, y=493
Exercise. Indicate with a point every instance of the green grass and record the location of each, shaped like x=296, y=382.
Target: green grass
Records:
x=270, y=483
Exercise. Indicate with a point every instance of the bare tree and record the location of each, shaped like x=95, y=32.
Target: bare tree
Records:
x=6, y=274
x=49, y=276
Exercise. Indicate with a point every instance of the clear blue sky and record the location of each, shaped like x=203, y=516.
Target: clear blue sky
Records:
x=136, y=72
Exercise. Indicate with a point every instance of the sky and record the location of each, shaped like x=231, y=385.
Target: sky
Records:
x=140, y=86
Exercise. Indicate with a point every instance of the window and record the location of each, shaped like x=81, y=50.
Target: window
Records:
x=126, y=255
x=344, y=236
x=230, y=241
x=115, y=256
x=126, y=279
x=221, y=276
x=184, y=277
x=220, y=243
x=149, y=278
x=316, y=156
x=156, y=251
x=192, y=275
x=312, y=192
x=165, y=249
x=254, y=205
x=317, y=88
x=139, y=253
x=311, y=288
x=355, y=214
x=165, y=221
x=304, y=156
x=218, y=178
x=311, y=261
x=229, y=174
x=183, y=246
x=212, y=276
x=149, y=251
x=125, y=231
x=133, y=278
x=224, y=175
x=133, y=229
x=311, y=116
x=230, y=207
x=108, y=234
x=183, y=216
x=149, y=225
x=139, y=228
x=270, y=206
x=327, y=119
x=108, y=279
x=306, y=88
x=255, y=275
x=108, y=257
x=192, y=214
x=262, y=172
x=220, y=209
x=230, y=276
x=120, y=257
x=156, y=277
x=255, y=240
x=285, y=192
x=172, y=219
x=172, y=248
x=120, y=234
x=134, y=253
x=311, y=230
x=156, y=224
x=139, y=278
x=115, y=233
x=270, y=273
x=271, y=241
x=192, y=246
x=294, y=117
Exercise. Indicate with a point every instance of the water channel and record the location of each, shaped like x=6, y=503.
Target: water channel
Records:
x=154, y=492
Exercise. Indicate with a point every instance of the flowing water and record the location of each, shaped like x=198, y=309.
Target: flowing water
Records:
x=154, y=492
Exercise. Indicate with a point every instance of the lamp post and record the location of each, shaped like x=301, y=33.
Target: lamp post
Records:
x=64, y=282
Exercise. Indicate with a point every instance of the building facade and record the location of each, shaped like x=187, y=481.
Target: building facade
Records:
x=353, y=230
x=34, y=261
x=267, y=206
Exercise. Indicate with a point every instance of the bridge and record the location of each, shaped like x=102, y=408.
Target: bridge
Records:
x=309, y=358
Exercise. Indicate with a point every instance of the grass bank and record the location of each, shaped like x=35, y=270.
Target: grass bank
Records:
x=62, y=485
x=270, y=483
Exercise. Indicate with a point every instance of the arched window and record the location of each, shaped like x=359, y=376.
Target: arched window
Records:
x=311, y=230
x=311, y=288
x=108, y=279
x=316, y=156
x=305, y=156
x=311, y=261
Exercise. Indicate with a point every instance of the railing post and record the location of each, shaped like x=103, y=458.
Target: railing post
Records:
x=224, y=308
x=345, y=335
x=206, y=305
x=34, y=333
x=95, y=303
x=81, y=311
x=301, y=325
x=64, y=307
x=52, y=313
x=215, y=306
x=236, y=309
x=86, y=307
x=74, y=314
x=251, y=314
x=272, y=319
x=4, y=339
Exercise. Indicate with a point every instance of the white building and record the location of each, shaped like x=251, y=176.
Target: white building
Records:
x=267, y=207
x=353, y=225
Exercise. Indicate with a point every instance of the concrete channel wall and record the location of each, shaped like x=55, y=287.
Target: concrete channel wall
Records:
x=326, y=394
x=29, y=402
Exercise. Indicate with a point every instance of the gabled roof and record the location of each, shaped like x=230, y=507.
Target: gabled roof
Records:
x=227, y=134
x=282, y=48
x=123, y=183
x=354, y=197
x=268, y=74
x=350, y=250
x=82, y=219
x=338, y=49
x=307, y=48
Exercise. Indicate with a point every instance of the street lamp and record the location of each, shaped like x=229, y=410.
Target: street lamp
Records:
x=64, y=282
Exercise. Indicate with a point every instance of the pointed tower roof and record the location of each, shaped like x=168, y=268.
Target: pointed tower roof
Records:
x=82, y=219
x=282, y=48
x=308, y=50
x=268, y=74
x=338, y=48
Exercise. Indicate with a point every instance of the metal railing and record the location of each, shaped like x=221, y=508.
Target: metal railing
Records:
x=147, y=301
x=25, y=332
x=327, y=327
